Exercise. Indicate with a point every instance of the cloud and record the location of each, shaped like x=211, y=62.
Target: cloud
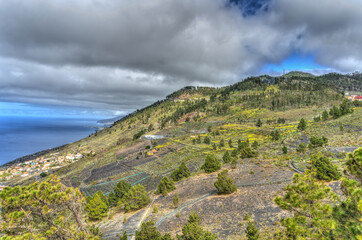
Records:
x=123, y=55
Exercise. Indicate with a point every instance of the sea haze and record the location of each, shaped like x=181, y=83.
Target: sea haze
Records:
x=20, y=136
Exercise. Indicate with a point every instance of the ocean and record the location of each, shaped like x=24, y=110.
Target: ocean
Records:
x=20, y=136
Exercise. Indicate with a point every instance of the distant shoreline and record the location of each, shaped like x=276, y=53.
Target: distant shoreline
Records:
x=105, y=122
x=32, y=156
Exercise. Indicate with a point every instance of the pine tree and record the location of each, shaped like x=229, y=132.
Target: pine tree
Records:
x=284, y=149
x=43, y=210
x=225, y=184
x=148, y=231
x=325, y=115
x=323, y=168
x=309, y=201
x=226, y=158
x=255, y=145
x=354, y=163
x=230, y=143
x=124, y=235
x=221, y=143
x=234, y=153
x=96, y=206
x=181, y=172
x=247, y=152
x=252, y=232
x=193, y=230
x=259, y=123
x=233, y=164
x=175, y=200
x=165, y=186
x=212, y=164
x=302, y=125
x=301, y=148
x=122, y=188
x=136, y=198
x=207, y=140
x=275, y=135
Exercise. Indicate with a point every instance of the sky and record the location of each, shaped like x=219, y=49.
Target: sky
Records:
x=111, y=57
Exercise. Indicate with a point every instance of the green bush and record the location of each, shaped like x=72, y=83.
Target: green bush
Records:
x=315, y=142
x=96, y=206
x=225, y=184
x=248, y=153
x=255, y=145
x=136, y=198
x=181, y=172
x=259, y=123
x=302, y=125
x=212, y=164
x=301, y=148
x=193, y=231
x=354, y=163
x=284, y=149
x=275, y=135
x=252, y=232
x=324, y=169
x=165, y=186
x=226, y=158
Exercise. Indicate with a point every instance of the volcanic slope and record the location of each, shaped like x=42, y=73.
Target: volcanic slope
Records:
x=152, y=142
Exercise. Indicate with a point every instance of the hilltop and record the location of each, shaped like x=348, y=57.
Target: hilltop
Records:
x=262, y=113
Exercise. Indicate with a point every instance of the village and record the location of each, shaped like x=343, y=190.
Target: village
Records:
x=37, y=167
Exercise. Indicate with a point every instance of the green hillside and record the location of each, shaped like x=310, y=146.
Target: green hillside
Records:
x=257, y=122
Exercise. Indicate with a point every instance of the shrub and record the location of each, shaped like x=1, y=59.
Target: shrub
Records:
x=175, y=200
x=301, y=148
x=96, y=206
x=181, y=172
x=221, y=143
x=242, y=145
x=233, y=164
x=275, y=135
x=225, y=184
x=259, y=123
x=341, y=128
x=302, y=125
x=207, y=140
x=284, y=149
x=122, y=188
x=317, y=142
x=252, y=232
x=281, y=120
x=148, y=231
x=255, y=145
x=212, y=164
x=354, y=163
x=317, y=119
x=230, y=143
x=136, y=198
x=43, y=175
x=139, y=134
x=325, y=115
x=193, y=231
x=165, y=186
x=324, y=169
x=248, y=153
x=226, y=158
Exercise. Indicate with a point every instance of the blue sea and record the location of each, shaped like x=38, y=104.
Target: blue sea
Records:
x=20, y=136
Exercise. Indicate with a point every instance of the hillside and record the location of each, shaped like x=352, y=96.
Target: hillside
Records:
x=262, y=113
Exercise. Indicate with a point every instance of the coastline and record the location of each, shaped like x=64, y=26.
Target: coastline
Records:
x=32, y=156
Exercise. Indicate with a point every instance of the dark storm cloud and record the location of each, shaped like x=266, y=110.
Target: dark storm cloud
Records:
x=126, y=54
